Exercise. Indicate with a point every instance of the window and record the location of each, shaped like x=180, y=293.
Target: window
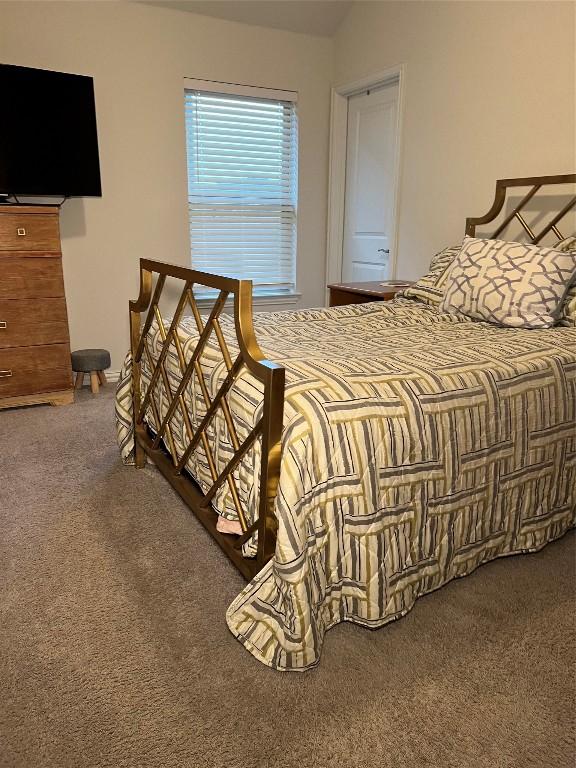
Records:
x=242, y=183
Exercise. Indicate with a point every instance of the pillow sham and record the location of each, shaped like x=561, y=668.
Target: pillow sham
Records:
x=568, y=314
x=509, y=283
x=429, y=289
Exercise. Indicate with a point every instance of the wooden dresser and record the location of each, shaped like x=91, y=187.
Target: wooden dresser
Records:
x=34, y=340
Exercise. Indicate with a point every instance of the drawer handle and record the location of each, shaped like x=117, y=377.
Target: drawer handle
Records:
x=21, y=231
x=3, y=324
x=5, y=374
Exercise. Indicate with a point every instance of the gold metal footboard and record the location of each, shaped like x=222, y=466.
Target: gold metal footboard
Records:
x=154, y=444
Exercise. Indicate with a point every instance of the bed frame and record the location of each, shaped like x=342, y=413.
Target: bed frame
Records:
x=268, y=428
x=159, y=446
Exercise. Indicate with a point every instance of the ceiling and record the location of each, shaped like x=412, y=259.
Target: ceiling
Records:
x=314, y=17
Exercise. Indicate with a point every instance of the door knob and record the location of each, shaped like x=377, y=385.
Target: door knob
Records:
x=383, y=250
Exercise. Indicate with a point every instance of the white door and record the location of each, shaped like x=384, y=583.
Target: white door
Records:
x=370, y=184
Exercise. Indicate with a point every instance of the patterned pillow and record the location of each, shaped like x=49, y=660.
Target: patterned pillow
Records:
x=430, y=288
x=508, y=283
x=568, y=314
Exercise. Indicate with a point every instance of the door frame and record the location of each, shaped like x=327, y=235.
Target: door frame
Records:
x=337, y=166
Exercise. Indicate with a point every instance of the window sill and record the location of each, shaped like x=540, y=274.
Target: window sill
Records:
x=281, y=299
x=261, y=302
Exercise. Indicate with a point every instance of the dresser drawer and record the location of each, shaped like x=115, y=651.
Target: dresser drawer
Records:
x=26, y=370
x=24, y=322
x=29, y=232
x=29, y=278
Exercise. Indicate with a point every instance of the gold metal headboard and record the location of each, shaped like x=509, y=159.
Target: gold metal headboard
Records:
x=536, y=183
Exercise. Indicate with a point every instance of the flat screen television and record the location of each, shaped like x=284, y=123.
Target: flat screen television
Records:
x=48, y=135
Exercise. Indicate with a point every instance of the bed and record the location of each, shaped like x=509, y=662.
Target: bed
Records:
x=371, y=453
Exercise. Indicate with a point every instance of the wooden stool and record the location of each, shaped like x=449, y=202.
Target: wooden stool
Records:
x=93, y=362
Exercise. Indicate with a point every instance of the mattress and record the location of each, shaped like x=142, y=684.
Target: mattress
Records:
x=416, y=446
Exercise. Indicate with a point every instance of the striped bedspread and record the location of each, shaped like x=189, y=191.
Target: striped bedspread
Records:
x=416, y=446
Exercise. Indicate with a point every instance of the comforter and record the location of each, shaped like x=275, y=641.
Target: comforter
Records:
x=416, y=446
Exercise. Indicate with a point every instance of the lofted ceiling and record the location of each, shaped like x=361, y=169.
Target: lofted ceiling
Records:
x=314, y=17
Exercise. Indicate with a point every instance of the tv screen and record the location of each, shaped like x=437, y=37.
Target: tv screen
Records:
x=48, y=137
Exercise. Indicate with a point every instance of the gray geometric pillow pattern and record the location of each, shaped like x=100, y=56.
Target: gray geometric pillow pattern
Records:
x=567, y=244
x=568, y=312
x=509, y=283
x=430, y=288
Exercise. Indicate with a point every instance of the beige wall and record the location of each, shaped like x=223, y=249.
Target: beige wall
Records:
x=490, y=91
x=138, y=56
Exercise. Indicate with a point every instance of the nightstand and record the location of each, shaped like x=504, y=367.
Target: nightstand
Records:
x=361, y=293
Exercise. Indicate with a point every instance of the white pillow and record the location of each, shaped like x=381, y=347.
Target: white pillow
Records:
x=509, y=283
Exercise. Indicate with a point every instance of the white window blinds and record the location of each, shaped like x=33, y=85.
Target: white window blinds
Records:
x=242, y=187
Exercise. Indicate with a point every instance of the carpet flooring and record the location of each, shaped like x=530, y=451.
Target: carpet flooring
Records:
x=114, y=649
